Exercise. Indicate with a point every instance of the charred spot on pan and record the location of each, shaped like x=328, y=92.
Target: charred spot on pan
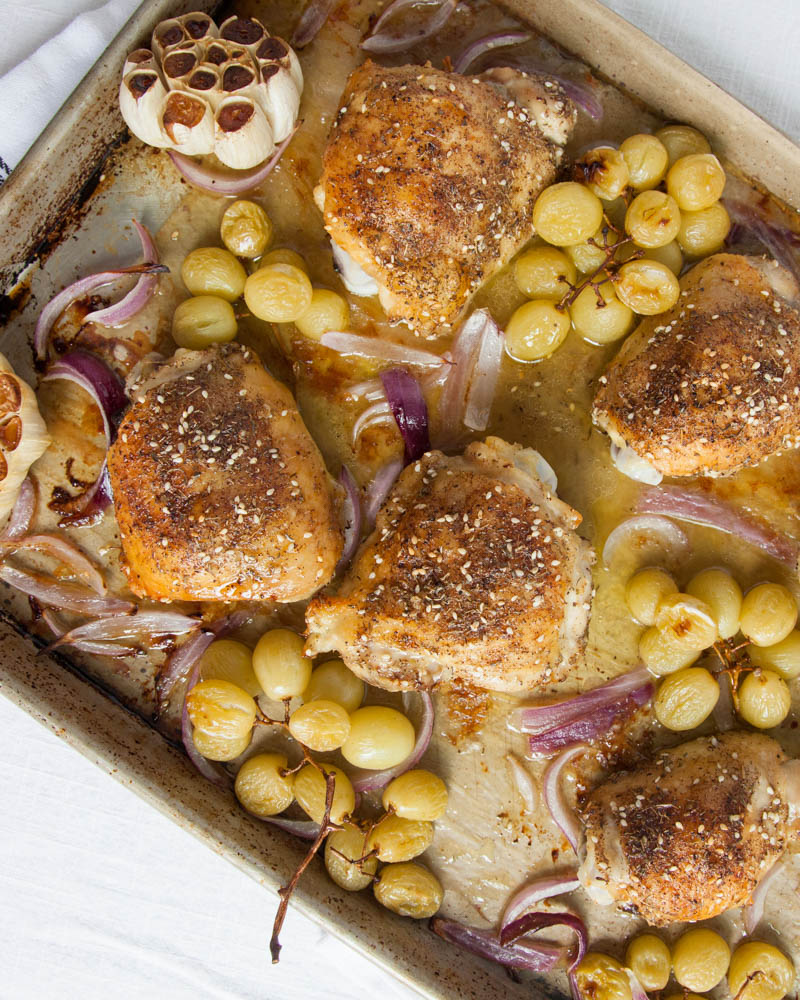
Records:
x=235, y=116
x=139, y=84
x=236, y=77
x=178, y=64
x=243, y=31
x=272, y=48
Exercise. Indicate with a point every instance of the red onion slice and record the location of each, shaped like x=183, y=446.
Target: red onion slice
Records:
x=56, y=306
x=519, y=955
x=208, y=179
x=486, y=44
x=97, y=379
x=310, y=24
x=524, y=783
x=305, y=829
x=754, y=910
x=372, y=781
x=533, y=893
x=22, y=512
x=780, y=242
x=212, y=772
x=384, y=42
x=723, y=712
x=536, y=719
x=563, y=816
x=377, y=414
x=410, y=412
x=485, y=374
x=65, y=596
x=697, y=508
x=637, y=990
x=144, y=625
x=465, y=347
x=137, y=298
x=352, y=516
x=377, y=349
x=532, y=922
x=379, y=489
x=62, y=550
x=371, y=390
x=641, y=538
x=180, y=663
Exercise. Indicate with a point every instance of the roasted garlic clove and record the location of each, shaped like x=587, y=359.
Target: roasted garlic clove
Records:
x=242, y=133
x=189, y=123
x=180, y=63
x=280, y=98
x=141, y=97
x=167, y=35
x=276, y=50
x=206, y=83
x=23, y=434
x=198, y=26
x=142, y=59
x=246, y=31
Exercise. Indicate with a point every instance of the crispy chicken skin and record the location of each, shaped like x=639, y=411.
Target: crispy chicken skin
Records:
x=220, y=493
x=714, y=384
x=689, y=835
x=429, y=180
x=473, y=572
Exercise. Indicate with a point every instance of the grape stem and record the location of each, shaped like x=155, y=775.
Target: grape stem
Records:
x=607, y=269
x=733, y=664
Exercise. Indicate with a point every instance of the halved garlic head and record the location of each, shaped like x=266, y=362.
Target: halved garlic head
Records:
x=23, y=434
x=180, y=95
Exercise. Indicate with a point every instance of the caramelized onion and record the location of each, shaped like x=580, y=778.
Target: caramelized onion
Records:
x=378, y=349
x=65, y=596
x=212, y=772
x=371, y=781
x=19, y=521
x=384, y=42
x=487, y=44
x=179, y=664
x=62, y=550
x=409, y=410
x=141, y=293
x=533, y=893
x=379, y=489
x=310, y=24
x=563, y=816
x=146, y=626
x=352, y=516
x=519, y=955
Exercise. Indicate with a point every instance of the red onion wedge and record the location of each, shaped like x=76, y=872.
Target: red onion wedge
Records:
x=523, y=782
x=754, y=910
x=533, y=893
x=22, y=512
x=226, y=184
x=380, y=488
x=637, y=990
x=376, y=415
x=581, y=95
x=64, y=596
x=310, y=24
x=96, y=648
x=137, y=298
x=782, y=243
x=485, y=374
x=487, y=44
x=381, y=41
x=305, y=829
x=180, y=663
x=640, y=539
x=371, y=390
x=97, y=379
x=62, y=550
x=145, y=626
x=410, y=412
x=377, y=349
x=86, y=508
x=466, y=347
x=519, y=955
x=352, y=516
x=56, y=306
x=537, y=719
x=216, y=774
x=371, y=781
x=699, y=508
x=532, y=922
x=563, y=816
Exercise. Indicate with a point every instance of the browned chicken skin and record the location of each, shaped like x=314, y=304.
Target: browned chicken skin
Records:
x=714, y=384
x=219, y=491
x=689, y=835
x=429, y=180
x=473, y=572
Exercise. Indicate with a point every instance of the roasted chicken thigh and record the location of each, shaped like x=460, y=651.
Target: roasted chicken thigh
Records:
x=219, y=491
x=714, y=384
x=689, y=835
x=473, y=572
x=429, y=180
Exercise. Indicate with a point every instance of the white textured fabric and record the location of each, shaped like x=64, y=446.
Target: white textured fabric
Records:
x=102, y=896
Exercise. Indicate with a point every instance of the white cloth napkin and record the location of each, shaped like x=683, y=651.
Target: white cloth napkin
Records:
x=35, y=88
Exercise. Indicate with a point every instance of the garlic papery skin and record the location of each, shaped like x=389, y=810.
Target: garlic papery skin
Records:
x=248, y=32
x=275, y=49
x=189, y=123
x=23, y=434
x=242, y=133
x=141, y=97
x=280, y=98
x=198, y=26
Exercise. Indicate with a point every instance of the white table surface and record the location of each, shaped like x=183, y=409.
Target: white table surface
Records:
x=102, y=896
